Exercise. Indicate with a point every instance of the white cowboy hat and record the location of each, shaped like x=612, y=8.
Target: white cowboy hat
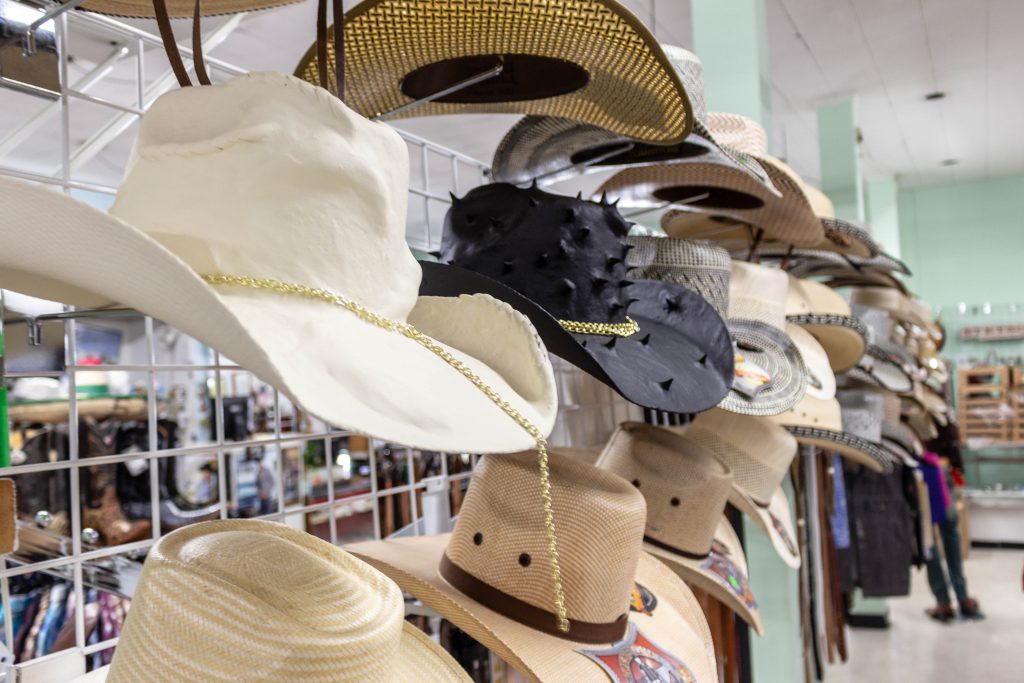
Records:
x=271, y=184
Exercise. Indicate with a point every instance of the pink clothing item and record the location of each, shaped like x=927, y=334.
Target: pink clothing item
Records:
x=933, y=460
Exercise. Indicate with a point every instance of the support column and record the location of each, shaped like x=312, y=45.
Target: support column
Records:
x=883, y=213
x=729, y=36
x=840, y=158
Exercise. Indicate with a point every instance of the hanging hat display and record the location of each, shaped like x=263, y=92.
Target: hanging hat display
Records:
x=310, y=611
x=770, y=375
x=561, y=261
x=759, y=453
x=826, y=315
x=549, y=149
x=591, y=61
x=686, y=490
x=326, y=310
x=489, y=577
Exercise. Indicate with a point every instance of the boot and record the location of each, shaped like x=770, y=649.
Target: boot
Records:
x=109, y=520
x=101, y=508
x=969, y=609
x=942, y=612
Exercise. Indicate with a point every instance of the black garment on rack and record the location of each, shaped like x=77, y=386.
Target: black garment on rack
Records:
x=947, y=444
x=882, y=533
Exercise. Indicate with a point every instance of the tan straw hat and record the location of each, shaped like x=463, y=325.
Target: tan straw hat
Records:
x=819, y=422
x=686, y=489
x=178, y=8
x=759, y=453
x=826, y=315
x=491, y=577
x=327, y=310
x=902, y=307
x=591, y=61
x=247, y=600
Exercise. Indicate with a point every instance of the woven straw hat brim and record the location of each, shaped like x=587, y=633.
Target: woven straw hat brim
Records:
x=810, y=261
x=631, y=88
x=71, y=245
x=843, y=337
x=676, y=623
x=143, y=9
x=883, y=374
x=900, y=306
x=787, y=219
x=635, y=369
x=776, y=353
x=849, y=239
x=776, y=521
x=854, y=448
x=699, y=573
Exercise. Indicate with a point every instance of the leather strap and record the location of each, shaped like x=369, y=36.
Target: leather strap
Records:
x=321, y=42
x=339, y=50
x=197, y=45
x=163, y=22
x=672, y=549
x=525, y=613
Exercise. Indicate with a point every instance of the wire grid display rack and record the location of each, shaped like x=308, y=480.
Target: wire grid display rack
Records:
x=327, y=481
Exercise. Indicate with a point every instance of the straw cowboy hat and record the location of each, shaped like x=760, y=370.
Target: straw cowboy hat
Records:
x=551, y=149
x=886, y=364
x=561, y=261
x=178, y=8
x=490, y=577
x=864, y=416
x=267, y=220
x=753, y=299
x=686, y=489
x=826, y=315
x=587, y=60
x=904, y=308
x=806, y=262
x=250, y=600
x=759, y=453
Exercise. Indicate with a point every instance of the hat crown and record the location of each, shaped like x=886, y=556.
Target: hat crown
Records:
x=862, y=413
x=700, y=266
x=807, y=297
x=566, y=254
x=878, y=321
x=738, y=132
x=306, y=605
x=499, y=536
x=267, y=176
x=758, y=293
x=756, y=449
x=685, y=487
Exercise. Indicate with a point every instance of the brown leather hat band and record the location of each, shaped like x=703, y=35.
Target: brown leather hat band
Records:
x=672, y=549
x=525, y=613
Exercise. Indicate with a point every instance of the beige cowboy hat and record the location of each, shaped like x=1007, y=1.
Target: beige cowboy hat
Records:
x=491, y=577
x=826, y=315
x=266, y=219
x=248, y=600
x=904, y=308
x=591, y=61
x=686, y=489
x=759, y=453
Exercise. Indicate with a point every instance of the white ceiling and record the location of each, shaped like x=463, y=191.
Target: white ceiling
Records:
x=887, y=53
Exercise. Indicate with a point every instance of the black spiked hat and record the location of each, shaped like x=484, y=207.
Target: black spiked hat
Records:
x=561, y=261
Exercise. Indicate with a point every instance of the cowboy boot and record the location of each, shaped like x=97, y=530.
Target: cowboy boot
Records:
x=969, y=609
x=101, y=509
x=942, y=612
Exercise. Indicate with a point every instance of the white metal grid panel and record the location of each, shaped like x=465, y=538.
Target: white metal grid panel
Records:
x=67, y=143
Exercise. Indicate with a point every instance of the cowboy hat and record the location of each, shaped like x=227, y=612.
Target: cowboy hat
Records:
x=752, y=300
x=587, y=60
x=904, y=308
x=886, y=364
x=251, y=600
x=143, y=9
x=686, y=490
x=266, y=219
x=826, y=315
x=551, y=149
x=759, y=453
x=490, y=577
x=805, y=262
x=561, y=262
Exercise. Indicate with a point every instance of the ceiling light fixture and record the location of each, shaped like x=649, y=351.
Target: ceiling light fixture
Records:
x=950, y=162
x=937, y=95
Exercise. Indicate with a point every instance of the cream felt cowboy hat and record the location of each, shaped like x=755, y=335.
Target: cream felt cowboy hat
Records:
x=826, y=315
x=587, y=60
x=549, y=149
x=759, y=453
x=266, y=219
x=247, y=600
x=751, y=299
x=686, y=489
x=490, y=577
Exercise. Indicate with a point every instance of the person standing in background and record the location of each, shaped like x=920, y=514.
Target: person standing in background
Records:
x=265, y=488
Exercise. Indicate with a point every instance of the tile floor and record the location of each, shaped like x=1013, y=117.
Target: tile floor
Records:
x=915, y=648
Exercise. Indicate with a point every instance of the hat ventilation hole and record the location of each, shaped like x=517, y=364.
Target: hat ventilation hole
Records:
x=524, y=560
x=599, y=283
x=675, y=502
x=626, y=283
x=646, y=340
x=614, y=308
x=703, y=361
x=672, y=305
x=478, y=538
x=666, y=384
x=636, y=483
x=610, y=344
x=612, y=261
x=581, y=235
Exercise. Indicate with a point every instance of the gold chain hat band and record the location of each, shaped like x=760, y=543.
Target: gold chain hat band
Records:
x=423, y=340
x=623, y=329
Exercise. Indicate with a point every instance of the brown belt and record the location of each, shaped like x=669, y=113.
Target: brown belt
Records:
x=525, y=613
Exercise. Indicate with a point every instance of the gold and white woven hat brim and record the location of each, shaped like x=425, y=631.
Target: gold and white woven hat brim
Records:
x=331, y=361
x=591, y=61
x=143, y=9
x=817, y=422
x=723, y=573
x=676, y=622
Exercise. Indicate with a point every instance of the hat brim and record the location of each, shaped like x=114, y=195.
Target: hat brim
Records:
x=676, y=622
x=778, y=355
x=775, y=520
x=322, y=356
x=598, y=64
x=882, y=374
x=723, y=573
x=843, y=337
x=418, y=658
x=848, y=239
x=143, y=9
x=680, y=361
x=853, y=448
